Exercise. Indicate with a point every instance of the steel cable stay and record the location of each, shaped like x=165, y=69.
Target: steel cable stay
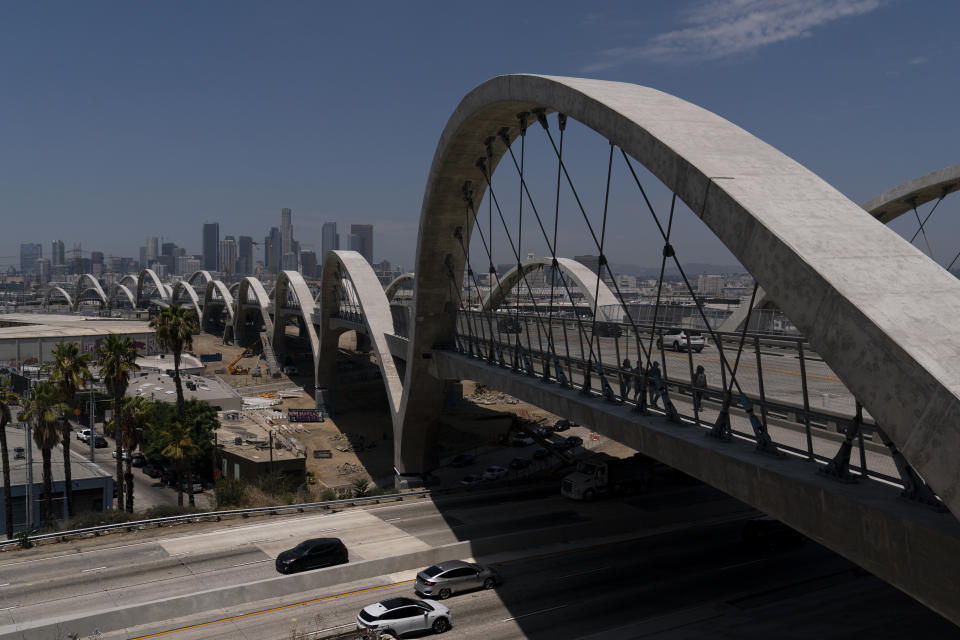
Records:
x=496, y=203
x=470, y=273
x=764, y=443
x=562, y=125
x=923, y=224
x=601, y=261
x=923, y=231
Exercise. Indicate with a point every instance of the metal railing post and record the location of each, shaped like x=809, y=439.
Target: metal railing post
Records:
x=806, y=399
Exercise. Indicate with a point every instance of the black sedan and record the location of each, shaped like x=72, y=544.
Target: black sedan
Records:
x=462, y=460
x=313, y=554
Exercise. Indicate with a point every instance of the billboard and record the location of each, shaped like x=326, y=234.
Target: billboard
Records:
x=303, y=415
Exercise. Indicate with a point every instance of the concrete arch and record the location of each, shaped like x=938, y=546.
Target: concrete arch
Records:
x=292, y=283
x=203, y=275
x=397, y=284
x=91, y=294
x=128, y=280
x=161, y=290
x=250, y=286
x=62, y=292
x=606, y=304
x=91, y=283
x=859, y=303
x=234, y=288
x=350, y=266
x=181, y=287
x=891, y=204
x=125, y=290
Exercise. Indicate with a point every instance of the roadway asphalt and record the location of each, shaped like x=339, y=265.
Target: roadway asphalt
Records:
x=683, y=573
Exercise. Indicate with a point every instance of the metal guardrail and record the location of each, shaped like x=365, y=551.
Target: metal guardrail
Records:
x=208, y=515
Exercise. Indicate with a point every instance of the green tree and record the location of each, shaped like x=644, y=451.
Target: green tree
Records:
x=117, y=357
x=70, y=371
x=179, y=450
x=44, y=409
x=6, y=399
x=134, y=415
x=200, y=422
x=175, y=327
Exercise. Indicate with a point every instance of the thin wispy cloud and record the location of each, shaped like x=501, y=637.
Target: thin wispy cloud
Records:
x=719, y=29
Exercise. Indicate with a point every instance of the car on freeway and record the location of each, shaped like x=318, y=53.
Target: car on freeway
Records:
x=561, y=425
x=541, y=454
x=677, y=339
x=444, y=579
x=402, y=616
x=519, y=463
x=100, y=442
x=572, y=442
x=462, y=460
x=494, y=472
x=510, y=325
x=313, y=554
x=471, y=480
x=609, y=330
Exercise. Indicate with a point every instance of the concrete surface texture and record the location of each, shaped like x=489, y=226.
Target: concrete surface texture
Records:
x=878, y=311
x=598, y=295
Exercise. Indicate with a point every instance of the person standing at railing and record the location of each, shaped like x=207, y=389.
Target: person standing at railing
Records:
x=625, y=376
x=699, y=387
x=653, y=382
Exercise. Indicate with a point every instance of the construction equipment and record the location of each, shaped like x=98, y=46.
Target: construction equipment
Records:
x=236, y=370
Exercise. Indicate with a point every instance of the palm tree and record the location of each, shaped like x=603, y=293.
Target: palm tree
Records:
x=134, y=419
x=180, y=449
x=117, y=357
x=44, y=409
x=6, y=399
x=70, y=371
x=175, y=327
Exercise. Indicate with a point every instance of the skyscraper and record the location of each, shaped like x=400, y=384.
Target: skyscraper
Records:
x=308, y=264
x=153, y=249
x=329, y=240
x=272, y=251
x=228, y=255
x=58, y=255
x=365, y=243
x=244, y=255
x=29, y=254
x=211, y=246
x=286, y=231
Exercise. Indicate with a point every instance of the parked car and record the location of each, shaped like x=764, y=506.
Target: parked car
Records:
x=521, y=440
x=463, y=460
x=100, y=442
x=572, y=442
x=609, y=329
x=541, y=454
x=401, y=616
x=168, y=476
x=83, y=435
x=561, y=425
x=494, y=472
x=546, y=431
x=313, y=554
x=125, y=453
x=471, y=480
x=519, y=463
x=676, y=339
x=151, y=470
x=197, y=486
x=138, y=459
x=291, y=370
x=444, y=579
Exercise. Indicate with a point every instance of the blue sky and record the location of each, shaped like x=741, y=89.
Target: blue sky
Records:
x=121, y=120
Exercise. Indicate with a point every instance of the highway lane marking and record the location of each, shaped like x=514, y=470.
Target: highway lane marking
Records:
x=5, y=584
x=94, y=569
x=244, y=564
x=8, y=608
x=582, y=573
x=742, y=564
x=392, y=519
x=533, y=613
x=273, y=609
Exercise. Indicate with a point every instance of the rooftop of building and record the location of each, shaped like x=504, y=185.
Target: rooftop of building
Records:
x=80, y=466
x=159, y=386
x=253, y=428
x=53, y=325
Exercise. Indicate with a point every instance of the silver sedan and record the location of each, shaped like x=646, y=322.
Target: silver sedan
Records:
x=446, y=578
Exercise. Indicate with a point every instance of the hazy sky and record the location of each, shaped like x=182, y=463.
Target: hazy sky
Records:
x=120, y=120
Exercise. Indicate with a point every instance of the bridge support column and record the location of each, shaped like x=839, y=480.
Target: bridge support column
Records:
x=415, y=448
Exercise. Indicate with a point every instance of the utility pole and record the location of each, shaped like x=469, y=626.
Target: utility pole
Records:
x=93, y=435
x=29, y=445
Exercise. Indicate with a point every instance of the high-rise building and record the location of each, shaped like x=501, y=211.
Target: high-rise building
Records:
x=286, y=231
x=168, y=248
x=43, y=271
x=272, y=247
x=153, y=248
x=29, y=254
x=211, y=246
x=244, y=255
x=329, y=240
x=228, y=255
x=186, y=265
x=308, y=264
x=58, y=254
x=365, y=243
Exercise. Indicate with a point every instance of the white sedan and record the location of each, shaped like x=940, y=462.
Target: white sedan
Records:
x=494, y=473
x=400, y=616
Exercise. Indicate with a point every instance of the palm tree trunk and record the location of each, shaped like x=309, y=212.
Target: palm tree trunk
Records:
x=7, y=490
x=128, y=476
x=180, y=485
x=117, y=397
x=176, y=380
x=47, y=512
x=67, y=473
x=190, y=481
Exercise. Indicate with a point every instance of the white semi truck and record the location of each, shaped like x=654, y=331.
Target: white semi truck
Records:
x=603, y=475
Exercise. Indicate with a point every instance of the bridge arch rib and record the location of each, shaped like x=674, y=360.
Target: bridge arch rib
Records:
x=859, y=303
x=891, y=204
x=292, y=283
x=179, y=289
x=348, y=274
x=202, y=275
x=87, y=282
x=397, y=284
x=62, y=293
x=150, y=275
x=260, y=303
x=125, y=290
x=606, y=304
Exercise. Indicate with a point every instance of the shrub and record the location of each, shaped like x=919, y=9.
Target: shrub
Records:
x=360, y=487
x=230, y=492
x=327, y=495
